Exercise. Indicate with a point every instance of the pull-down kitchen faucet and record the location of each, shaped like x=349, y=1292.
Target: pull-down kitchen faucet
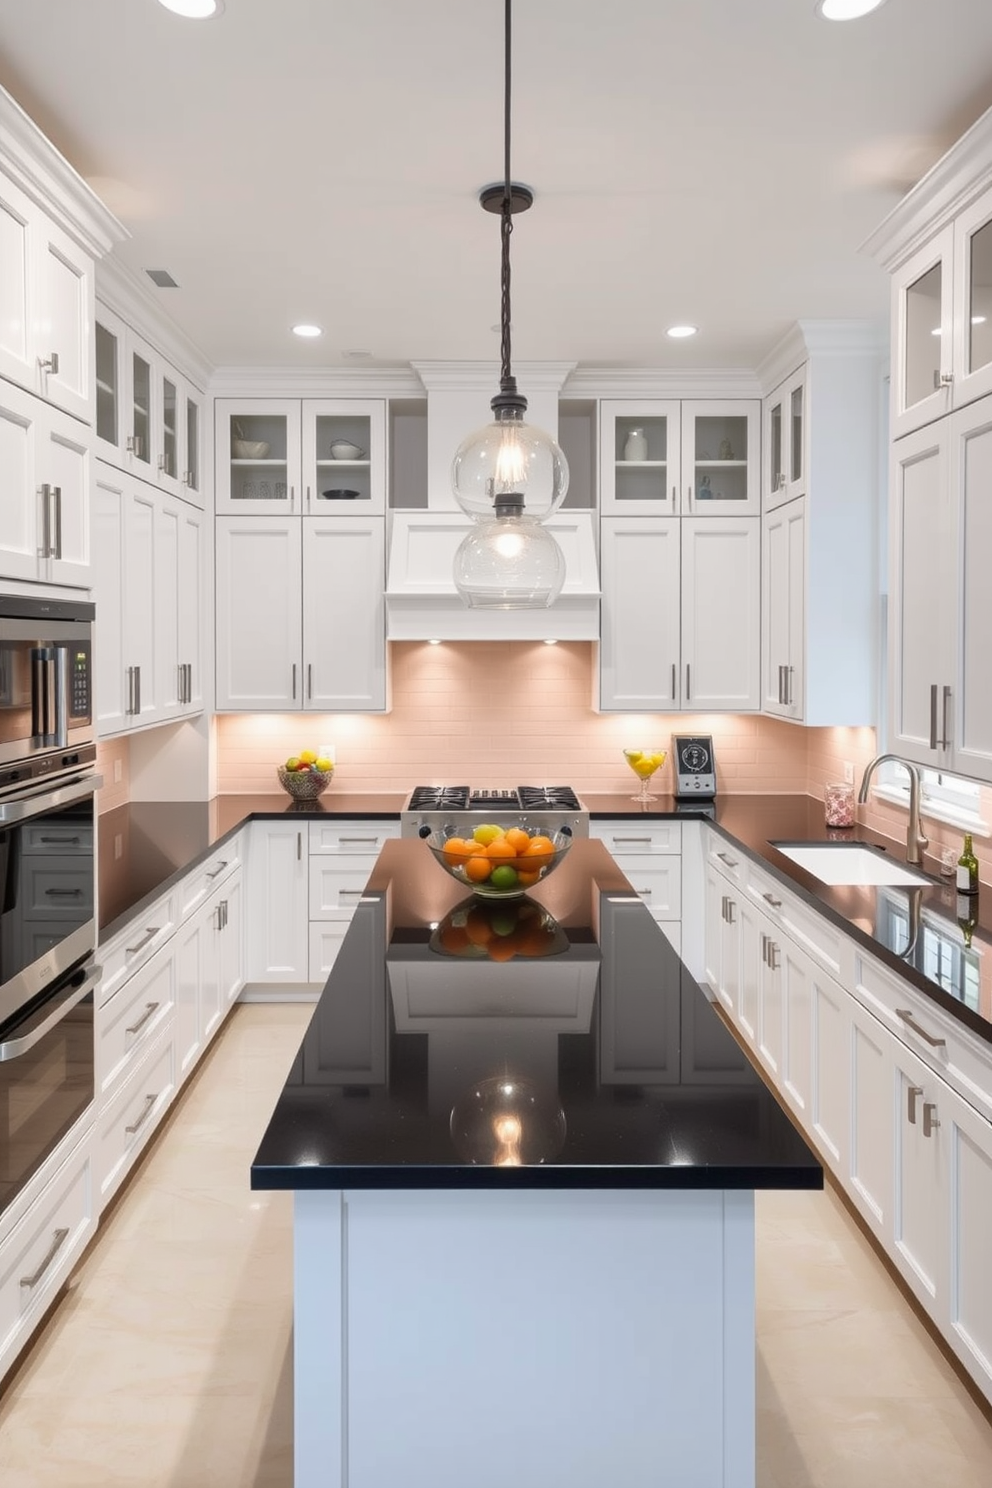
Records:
x=915, y=840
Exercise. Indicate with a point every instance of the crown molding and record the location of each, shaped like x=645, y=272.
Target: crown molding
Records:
x=957, y=178
x=484, y=376
x=316, y=382
x=821, y=338
x=125, y=292
x=661, y=382
x=34, y=164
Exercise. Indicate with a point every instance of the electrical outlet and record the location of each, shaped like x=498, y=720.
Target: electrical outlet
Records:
x=848, y=772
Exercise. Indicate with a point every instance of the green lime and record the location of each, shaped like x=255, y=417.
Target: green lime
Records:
x=503, y=922
x=504, y=877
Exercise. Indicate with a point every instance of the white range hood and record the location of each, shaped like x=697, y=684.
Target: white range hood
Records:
x=422, y=602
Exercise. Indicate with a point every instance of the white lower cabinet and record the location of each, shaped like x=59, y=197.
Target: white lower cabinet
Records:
x=124, y=1125
x=305, y=880
x=209, y=968
x=649, y=854
x=39, y=1247
x=895, y=1094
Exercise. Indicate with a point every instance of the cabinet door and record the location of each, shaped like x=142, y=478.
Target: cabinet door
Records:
x=830, y=1078
x=191, y=954
x=344, y=614
x=771, y=1008
x=141, y=431
x=109, y=338
x=640, y=457
x=920, y=667
x=921, y=1177
x=869, y=1176
x=277, y=919
x=63, y=320
x=784, y=459
x=16, y=213
x=140, y=523
x=168, y=419
x=967, y=1319
x=65, y=473
x=922, y=323
x=753, y=940
x=332, y=424
x=797, y=1013
x=968, y=590
x=783, y=580
x=169, y=688
x=191, y=430
x=21, y=518
x=972, y=291
x=109, y=503
x=721, y=471
x=258, y=455
x=232, y=959
x=640, y=651
x=191, y=609
x=259, y=614
x=721, y=630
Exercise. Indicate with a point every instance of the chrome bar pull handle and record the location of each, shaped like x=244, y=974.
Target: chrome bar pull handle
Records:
x=137, y=689
x=294, y=679
x=146, y=1111
x=933, y=715
x=770, y=899
x=946, y=696
x=781, y=690
x=773, y=950
x=913, y=1093
x=930, y=1119
x=50, y=363
x=790, y=673
x=910, y=1022
x=219, y=869
x=731, y=907
x=675, y=679
x=764, y=947
x=59, y=1237
x=309, y=680
x=149, y=934
x=730, y=862
x=45, y=547
x=299, y=847
x=149, y=1010
x=688, y=689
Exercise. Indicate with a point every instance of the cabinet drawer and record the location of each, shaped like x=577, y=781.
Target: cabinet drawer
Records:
x=363, y=837
x=728, y=860
x=658, y=881
x=56, y=888
x=125, y=1127
x=626, y=837
x=935, y=1037
x=197, y=885
x=828, y=946
x=41, y=1248
x=136, y=944
x=133, y=1018
x=65, y=841
x=337, y=884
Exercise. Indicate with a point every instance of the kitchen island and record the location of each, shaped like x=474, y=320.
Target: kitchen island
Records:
x=523, y=1149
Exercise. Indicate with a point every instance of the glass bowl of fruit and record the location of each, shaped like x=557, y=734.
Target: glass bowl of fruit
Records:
x=305, y=775
x=498, y=862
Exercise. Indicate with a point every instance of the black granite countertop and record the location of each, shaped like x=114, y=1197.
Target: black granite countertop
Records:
x=552, y=1042
x=145, y=847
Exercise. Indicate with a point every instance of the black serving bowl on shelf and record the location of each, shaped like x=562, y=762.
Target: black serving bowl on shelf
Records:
x=339, y=495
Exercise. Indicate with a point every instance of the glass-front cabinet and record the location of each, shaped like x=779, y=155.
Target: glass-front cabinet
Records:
x=293, y=457
x=720, y=458
x=972, y=294
x=784, y=463
x=640, y=457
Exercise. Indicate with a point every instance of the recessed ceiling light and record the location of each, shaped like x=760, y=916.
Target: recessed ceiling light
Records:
x=677, y=332
x=357, y=356
x=194, y=10
x=307, y=330
x=846, y=10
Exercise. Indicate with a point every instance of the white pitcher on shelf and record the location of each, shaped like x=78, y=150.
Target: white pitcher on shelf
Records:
x=635, y=446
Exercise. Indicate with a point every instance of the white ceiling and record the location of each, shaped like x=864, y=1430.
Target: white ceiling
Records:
x=716, y=161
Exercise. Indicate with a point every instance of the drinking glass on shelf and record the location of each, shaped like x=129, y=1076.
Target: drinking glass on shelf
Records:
x=644, y=763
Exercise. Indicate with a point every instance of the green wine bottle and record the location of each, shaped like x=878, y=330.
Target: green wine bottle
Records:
x=967, y=916
x=967, y=875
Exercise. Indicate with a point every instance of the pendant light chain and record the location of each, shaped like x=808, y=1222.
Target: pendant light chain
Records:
x=507, y=381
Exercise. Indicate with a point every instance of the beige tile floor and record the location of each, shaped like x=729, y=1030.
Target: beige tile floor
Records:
x=168, y=1362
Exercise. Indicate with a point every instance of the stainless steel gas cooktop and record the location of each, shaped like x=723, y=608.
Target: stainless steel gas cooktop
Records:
x=549, y=806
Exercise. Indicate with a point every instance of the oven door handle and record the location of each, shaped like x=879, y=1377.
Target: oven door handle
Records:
x=15, y=1047
x=41, y=801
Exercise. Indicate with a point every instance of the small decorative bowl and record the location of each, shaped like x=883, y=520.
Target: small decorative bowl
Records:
x=249, y=449
x=304, y=785
x=343, y=449
x=505, y=877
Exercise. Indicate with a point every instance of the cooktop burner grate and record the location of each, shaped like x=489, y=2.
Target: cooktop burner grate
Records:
x=439, y=797
x=556, y=797
x=521, y=797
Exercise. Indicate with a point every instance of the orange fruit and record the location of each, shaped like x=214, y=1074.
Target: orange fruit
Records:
x=541, y=851
x=478, y=869
x=454, y=938
x=528, y=876
x=499, y=850
x=458, y=850
x=478, y=928
x=518, y=839
x=501, y=949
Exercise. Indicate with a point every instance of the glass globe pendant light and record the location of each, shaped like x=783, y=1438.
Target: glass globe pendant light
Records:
x=508, y=476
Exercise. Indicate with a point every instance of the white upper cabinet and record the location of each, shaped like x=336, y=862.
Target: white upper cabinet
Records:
x=784, y=462
x=46, y=305
x=301, y=457
x=721, y=624
x=149, y=418
x=941, y=530
x=344, y=615
x=679, y=458
x=45, y=484
x=640, y=652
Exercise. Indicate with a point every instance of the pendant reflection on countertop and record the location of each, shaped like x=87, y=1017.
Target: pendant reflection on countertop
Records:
x=507, y=1122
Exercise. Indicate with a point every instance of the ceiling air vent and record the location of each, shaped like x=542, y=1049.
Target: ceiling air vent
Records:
x=162, y=278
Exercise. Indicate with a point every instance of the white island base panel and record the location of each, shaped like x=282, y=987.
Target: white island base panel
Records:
x=572, y=1339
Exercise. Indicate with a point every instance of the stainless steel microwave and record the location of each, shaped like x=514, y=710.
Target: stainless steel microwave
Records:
x=46, y=687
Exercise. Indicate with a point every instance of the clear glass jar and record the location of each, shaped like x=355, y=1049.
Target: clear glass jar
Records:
x=838, y=804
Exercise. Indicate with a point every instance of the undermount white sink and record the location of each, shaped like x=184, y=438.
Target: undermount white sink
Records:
x=849, y=863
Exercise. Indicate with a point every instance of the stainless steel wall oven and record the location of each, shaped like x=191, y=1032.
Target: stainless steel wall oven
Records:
x=47, y=880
